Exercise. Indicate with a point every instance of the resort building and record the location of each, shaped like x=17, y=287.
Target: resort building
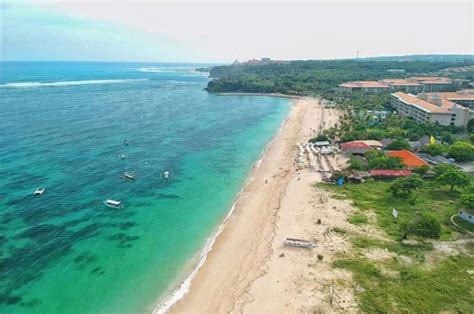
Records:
x=463, y=97
x=433, y=83
x=416, y=84
x=364, y=86
x=431, y=108
x=409, y=159
x=403, y=85
x=355, y=148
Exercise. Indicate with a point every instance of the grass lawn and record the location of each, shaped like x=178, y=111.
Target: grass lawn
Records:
x=404, y=282
x=413, y=289
x=374, y=195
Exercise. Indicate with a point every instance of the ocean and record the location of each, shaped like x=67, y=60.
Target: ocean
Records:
x=63, y=127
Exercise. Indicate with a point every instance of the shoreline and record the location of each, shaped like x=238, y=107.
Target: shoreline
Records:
x=179, y=292
x=260, y=94
x=242, y=251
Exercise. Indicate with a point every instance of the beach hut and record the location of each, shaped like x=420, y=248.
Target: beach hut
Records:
x=355, y=148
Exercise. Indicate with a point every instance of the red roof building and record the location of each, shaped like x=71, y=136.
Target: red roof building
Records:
x=408, y=158
x=390, y=173
x=355, y=147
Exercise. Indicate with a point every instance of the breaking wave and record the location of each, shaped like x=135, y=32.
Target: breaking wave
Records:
x=65, y=83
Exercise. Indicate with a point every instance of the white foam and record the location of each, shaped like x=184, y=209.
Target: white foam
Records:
x=167, y=303
x=65, y=83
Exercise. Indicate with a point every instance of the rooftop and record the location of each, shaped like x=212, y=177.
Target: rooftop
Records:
x=467, y=94
x=400, y=82
x=409, y=159
x=390, y=173
x=352, y=145
x=371, y=143
x=431, y=79
x=364, y=84
x=425, y=105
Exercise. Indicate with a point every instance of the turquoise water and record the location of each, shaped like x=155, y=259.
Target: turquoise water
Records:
x=62, y=126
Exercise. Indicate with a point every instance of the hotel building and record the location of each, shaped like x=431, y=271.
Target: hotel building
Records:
x=431, y=108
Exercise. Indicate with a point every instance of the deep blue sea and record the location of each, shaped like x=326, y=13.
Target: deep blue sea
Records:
x=62, y=127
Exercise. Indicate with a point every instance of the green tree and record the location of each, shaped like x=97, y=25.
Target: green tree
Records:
x=461, y=151
x=466, y=200
x=442, y=168
x=447, y=137
x=404, y=187
x=471, y=138
x=319, y=138
x=453, y=177
x=398, y=145
x=433, y=149
x=470, y=125
x=356, y=164
x=371, y=154
x=425, y=225
x=421, y=170
x=390, y=163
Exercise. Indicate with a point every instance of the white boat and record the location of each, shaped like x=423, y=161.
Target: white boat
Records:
x=129, y=176
x=166, y=175
x=39, y=191
x=113, y=204
x=122, y=156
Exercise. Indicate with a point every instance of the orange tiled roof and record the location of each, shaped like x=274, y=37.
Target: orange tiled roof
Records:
x=413, y=100
x=400, y=82
x=462, y=94
x=409, y=159
x=431, y=79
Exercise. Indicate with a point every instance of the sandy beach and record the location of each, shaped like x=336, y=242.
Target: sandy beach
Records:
x=249, y=270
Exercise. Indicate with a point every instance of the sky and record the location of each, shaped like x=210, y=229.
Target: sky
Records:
x=224, y=31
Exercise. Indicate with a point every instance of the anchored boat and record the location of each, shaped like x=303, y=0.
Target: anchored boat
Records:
x=39, y=191
x=129, y=176
x=113, y=204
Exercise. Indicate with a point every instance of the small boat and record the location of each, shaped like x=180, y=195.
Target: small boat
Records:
x=125, y=142
x=129, y=176
x=122, y=156
x=166, y=175
x=39, y=191
x=113, y=204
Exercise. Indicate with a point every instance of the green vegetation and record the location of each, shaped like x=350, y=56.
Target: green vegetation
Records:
x=453, y=177
x=358, y=219
x=433, y=149
x=404, y=187
x=319, y=138
x=461, y=151
x=413, y=278
x=392, y=163
x=398, y=145
x=312, y=77
x=425, y=225
x=413, y=289
x=377, y=196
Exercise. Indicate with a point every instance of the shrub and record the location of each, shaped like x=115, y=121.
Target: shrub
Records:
x=404, y=187
x=398, y=145
x=461, y=151
x=391, y=163
x=319, y=138
x=421, y=170
x=433, y=149
x=320, y=257
x=466, y=200
x=425, y=225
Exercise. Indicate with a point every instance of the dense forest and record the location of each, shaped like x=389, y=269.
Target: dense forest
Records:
x=314, y=77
